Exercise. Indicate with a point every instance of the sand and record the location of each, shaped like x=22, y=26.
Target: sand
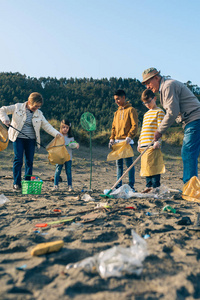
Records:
x=170, y=271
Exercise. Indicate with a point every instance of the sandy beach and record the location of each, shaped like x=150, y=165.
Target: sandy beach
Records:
x=171, y=269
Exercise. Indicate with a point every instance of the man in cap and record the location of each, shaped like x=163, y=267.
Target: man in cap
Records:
x=180, y=105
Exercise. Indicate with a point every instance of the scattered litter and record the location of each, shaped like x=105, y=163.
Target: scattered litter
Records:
x=152, y=213
x=44, y=233
x=3, y=199
x=36, y=231
x=21, y=268
x=123, y=192
x=102, y=204
x=146, y=236
x=184, y=221
x=117, y=261
x=169, y=208
x=87, y=197
x=44, y=248
x=57, y=210
x=54, y=222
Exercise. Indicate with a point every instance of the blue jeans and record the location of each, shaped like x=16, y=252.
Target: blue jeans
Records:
x=153, y=181
x=190, y=150
x=68, y=170
x=131, y=173
x=23, y=147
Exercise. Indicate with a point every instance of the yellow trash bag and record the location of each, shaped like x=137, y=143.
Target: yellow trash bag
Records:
x=152, y=162
x=191, y=190
x=58, y=153
x=120, y=150
x=3, y=138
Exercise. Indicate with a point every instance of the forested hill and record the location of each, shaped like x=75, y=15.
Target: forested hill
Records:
x=69, y=98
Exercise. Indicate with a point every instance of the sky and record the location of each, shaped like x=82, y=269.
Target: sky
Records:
x=100, y=38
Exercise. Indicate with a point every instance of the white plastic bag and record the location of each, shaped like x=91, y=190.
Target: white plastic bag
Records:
x=3, y=199
x=118, y=260
x=126, y=192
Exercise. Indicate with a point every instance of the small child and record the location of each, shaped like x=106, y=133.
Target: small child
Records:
x=124, y=128
x=65, y=130
x=152, y=161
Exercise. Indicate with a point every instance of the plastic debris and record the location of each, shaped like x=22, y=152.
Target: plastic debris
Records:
x=126, y=192
x=87, y=197
x=169, y=208
x=152, y=213
x=146, y=236
x=44, y=248
x=3, y=199
x=117, y=261
x=21, y=268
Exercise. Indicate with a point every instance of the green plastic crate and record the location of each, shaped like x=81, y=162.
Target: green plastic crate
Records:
x=33, y=187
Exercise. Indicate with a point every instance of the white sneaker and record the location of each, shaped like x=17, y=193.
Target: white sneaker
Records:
x=70, y=189
x=55, y=188
x=16, y=187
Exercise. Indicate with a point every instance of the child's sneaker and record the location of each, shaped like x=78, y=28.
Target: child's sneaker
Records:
x=70, y=189
x=55, y=188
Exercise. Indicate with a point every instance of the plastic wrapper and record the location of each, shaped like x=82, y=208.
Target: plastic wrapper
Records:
x=120, y=150
x=152, y=162
x=3, y=138
x=191, y=190
x=58, y=153
x=125, y=192
x=117, y=261
x=3, y=199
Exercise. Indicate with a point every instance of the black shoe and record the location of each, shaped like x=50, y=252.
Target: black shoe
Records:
x=16, y=187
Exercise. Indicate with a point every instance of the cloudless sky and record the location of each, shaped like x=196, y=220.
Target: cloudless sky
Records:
x=100, y=38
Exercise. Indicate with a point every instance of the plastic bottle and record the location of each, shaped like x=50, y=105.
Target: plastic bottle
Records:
x=152, y=213
x=169, y=208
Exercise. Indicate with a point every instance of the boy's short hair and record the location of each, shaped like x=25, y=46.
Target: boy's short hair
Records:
x=35, y=98
x=147, y=94
x=119, y=93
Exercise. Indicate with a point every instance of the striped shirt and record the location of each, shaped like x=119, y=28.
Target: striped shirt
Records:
x=28, y=127
x=151, y=122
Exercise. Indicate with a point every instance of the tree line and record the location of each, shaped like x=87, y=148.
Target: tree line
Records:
x=70, y=98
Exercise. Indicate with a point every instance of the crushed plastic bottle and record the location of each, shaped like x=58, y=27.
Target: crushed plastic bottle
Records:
x=118, y=260
x=152, y=213
x=87, y=197
x=169, y=208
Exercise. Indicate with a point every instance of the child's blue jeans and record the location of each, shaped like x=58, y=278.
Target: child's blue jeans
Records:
x=153, y=181
x=131, y=173
x=68, y=170
x=190, y=150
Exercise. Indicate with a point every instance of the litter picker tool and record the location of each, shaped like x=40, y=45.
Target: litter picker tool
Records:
x=107, y=195
x=88, y=122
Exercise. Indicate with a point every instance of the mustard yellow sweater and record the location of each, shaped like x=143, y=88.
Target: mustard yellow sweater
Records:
x=125, y=122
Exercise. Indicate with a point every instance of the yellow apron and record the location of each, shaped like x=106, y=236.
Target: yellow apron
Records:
x=3, y=138
x=120, y=150
x=191, y=190
x=152, y=162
